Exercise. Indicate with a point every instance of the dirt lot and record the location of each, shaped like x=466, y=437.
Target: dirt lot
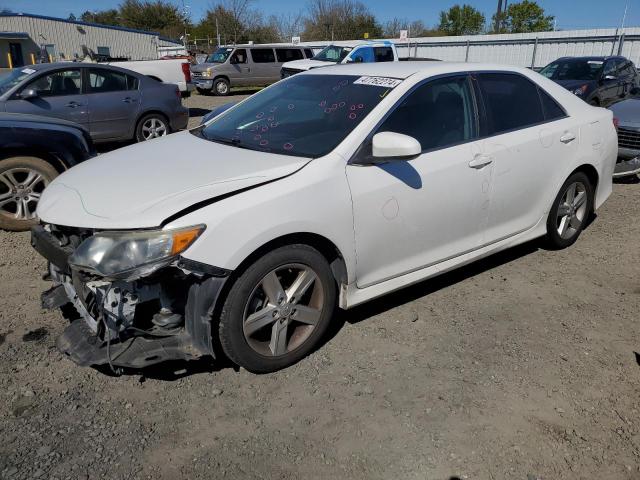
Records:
x=522, y=366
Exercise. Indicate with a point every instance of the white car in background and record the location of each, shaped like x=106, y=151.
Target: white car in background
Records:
x=362, y=51
x=328, y=189
x=175, y=71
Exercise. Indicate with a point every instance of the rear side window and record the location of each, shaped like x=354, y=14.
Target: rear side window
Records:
x=308, y=52
x=511, y=101
x=263, y=55
x=551, y=109
x=288, y=54
x=106, y=81
x=383, y=54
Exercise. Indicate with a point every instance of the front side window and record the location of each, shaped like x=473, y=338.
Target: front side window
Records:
x=263, y=55
x=511, y=101
x=62, y=82
x=239, y=56
x=101, y=81
x=288, y=54
x=438, y=114
x=305, y=115
x=573, y=69
x=333, y=53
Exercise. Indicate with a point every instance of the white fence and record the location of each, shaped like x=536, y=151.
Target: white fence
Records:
x=534, y=50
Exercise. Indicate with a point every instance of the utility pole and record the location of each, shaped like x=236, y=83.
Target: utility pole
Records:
x=217, y=32
x=496, y=26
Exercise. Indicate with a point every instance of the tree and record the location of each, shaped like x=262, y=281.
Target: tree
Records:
x=461, y=20
x=524, y=17
x=72, y=17
x=153, y=16
x=417, y=28
x=105, y=17
x=288, y=25
x=339, y=20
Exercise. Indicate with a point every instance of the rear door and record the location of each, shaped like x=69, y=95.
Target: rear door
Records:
x=529, y=137
x=114, y=103
x=59, y=94
x=265, y=68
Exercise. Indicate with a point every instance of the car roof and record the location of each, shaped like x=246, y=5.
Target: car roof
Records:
x=43, y=67
x=403, y=70
x=592, y=57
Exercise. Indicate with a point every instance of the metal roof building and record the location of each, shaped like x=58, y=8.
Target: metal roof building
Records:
x=23, y=36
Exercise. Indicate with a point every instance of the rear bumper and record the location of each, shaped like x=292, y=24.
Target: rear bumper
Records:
x=180, y=120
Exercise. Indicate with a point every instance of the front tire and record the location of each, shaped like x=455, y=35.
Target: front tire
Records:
x=152, y=125
x=22, y=180
x=221, y=87
x=570, y=211
x=278, y=310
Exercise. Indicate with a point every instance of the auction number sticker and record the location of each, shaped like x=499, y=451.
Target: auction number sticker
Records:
x=385, y=82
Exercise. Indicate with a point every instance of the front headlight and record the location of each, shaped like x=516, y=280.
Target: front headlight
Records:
x=206, y=73
x=125, y=255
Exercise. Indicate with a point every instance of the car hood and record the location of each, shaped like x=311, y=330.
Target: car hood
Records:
x=573, y=84
x=627, y=112
x=307, y=64
x=201, y=67
x=142, y=185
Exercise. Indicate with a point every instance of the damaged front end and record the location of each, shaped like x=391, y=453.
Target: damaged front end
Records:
x=133, y=302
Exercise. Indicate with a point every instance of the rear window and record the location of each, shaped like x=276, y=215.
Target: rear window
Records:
x=512, y=101
x=263, y=55
x=288, y=54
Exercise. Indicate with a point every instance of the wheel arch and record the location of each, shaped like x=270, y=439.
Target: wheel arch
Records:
x=592, y=174
x=147, y=112
x=59, y=164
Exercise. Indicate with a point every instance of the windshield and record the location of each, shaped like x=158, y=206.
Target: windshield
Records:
x=220, y=55
x=305, y=115
x=574, y=69
x=333, y=53
x=10, y=79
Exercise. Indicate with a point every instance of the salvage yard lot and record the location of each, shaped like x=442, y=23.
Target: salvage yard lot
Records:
x=520, y=366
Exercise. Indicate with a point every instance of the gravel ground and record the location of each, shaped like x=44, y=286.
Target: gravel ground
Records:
x=521, y=366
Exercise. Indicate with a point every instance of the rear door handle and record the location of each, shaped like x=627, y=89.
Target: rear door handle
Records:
x=72, y=105
x=480, y=161
x=567, y=138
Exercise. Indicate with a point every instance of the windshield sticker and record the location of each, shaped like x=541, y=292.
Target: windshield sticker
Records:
x=595, y=62
x=28, y=71
x=385, y=82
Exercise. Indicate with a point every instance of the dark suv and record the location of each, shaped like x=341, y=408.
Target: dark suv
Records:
x=599, y=81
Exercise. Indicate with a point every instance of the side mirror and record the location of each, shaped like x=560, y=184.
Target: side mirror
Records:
x=28, y=94
x=610, y=78
x=393, y=145
x=233, y=60
x=358, y=59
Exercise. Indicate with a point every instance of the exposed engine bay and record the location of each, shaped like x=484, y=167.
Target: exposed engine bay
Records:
x=133, y=323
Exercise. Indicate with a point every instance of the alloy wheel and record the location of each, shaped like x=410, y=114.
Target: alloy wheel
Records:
x=153, y=128
x=572, y=210
x=283, y=310
x=20, y=191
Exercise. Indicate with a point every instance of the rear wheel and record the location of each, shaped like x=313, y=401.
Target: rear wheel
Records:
x=152, y=126
x=221, y=87
x=570, y=211
x=278, y=310
x=22, y=180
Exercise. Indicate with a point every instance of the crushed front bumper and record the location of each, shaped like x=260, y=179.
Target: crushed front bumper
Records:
x=164, y=316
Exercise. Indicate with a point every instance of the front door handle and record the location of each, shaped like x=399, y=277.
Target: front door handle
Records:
x=480, y=161
x=72, y=105
x=567, y=138
x=127, y=100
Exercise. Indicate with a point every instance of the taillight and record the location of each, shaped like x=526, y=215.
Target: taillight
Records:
x=616, y=122
x=186, y=70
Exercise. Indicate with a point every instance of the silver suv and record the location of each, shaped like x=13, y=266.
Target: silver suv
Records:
x=244, y=65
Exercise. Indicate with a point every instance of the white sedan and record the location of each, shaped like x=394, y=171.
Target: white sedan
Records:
x=336, y=186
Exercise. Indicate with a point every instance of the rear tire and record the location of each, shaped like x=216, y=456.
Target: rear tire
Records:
x=152, y=125
x=278, y=310
x=221, y=87
x=570, y=211
x=22, y=180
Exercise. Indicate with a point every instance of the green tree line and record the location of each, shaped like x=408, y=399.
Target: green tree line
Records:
x=238, y=21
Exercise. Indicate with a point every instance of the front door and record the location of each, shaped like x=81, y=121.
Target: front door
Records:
x=114, y=103
x=239, y=69
x=412, y=214
x=15, y=51
x=58, y=94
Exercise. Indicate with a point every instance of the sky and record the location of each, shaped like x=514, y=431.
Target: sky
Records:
x=570, y=14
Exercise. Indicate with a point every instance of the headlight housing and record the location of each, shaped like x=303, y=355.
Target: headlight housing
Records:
x=580, y=91
x=127, y=255
x=206, y=73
